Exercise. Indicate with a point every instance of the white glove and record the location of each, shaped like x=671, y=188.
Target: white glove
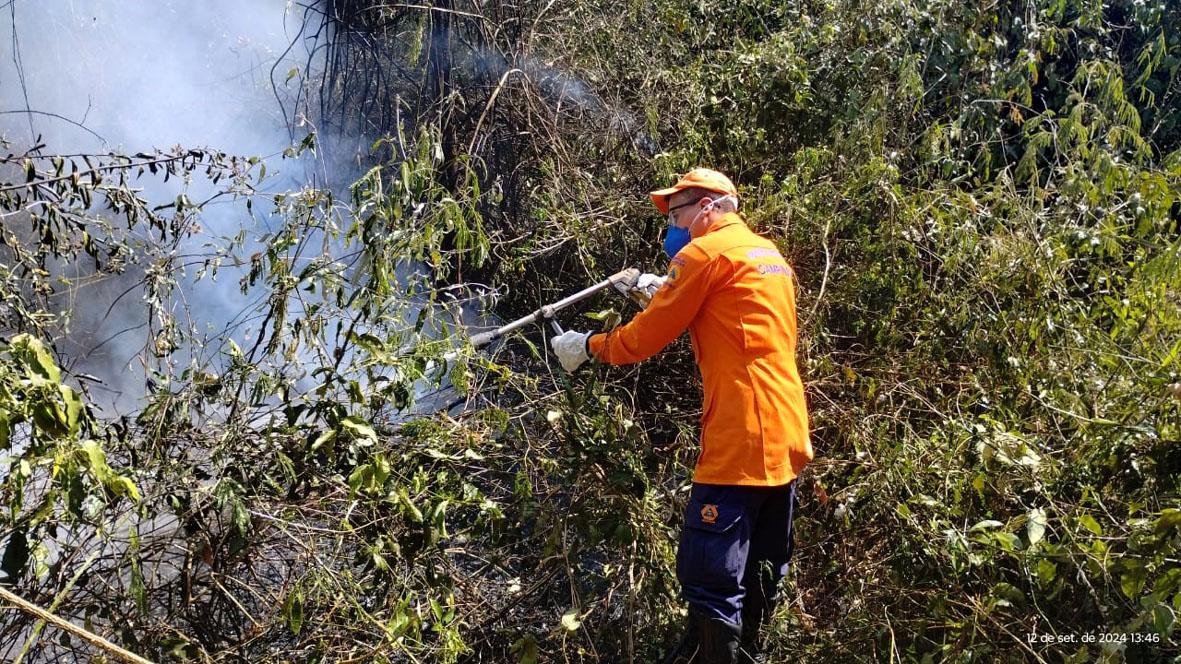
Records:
x=570, y=347
x=643, y=290
x=649, y=283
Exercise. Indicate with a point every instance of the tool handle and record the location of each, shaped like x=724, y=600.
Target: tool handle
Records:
x=624, y=279
x=484, y=338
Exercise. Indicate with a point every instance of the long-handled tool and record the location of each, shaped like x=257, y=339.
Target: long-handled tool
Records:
x=623, y=280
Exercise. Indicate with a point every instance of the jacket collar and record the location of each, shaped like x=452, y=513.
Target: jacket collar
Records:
x=728, y=219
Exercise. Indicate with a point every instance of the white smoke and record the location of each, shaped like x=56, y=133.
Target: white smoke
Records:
x=93, y=76
x=142, y=74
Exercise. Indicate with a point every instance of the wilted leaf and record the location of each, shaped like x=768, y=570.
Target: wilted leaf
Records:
x=123, y=486
x=985, y=525
x=73, y=409
x=1175, y=390
x=1035, y=529
x=570, y=621
x=324, y=440
x=36, y=360
x=359, y=430
x=410, y=508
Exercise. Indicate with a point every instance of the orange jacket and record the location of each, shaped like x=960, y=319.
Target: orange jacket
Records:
x=734, y=292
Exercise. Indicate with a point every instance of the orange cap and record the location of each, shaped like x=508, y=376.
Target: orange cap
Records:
x=698, y=177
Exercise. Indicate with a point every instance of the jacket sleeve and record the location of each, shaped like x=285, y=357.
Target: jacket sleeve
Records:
x=692, y=276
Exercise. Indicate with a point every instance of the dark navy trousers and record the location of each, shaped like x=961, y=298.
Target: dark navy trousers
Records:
x=735, y=548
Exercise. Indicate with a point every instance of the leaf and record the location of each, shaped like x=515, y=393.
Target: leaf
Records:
x=123, y=486
x=138, y=590
x=40, y=558
x=1007, y=594
x=73, y=409
x=570, y=620
x=50, y=418
x=241, y=516
x=925, y=500
x=324, y=440
x=1046, y=571
x=1162, y=619
x=439, y=518
x=553, y=416
x=1131, y=581
x=1169, y=518
x=359, y=430
x=1087, y=521
x=986, y=524
x=412, y=511
x=526, y=650
x=96, y=460
x=610, y=318
x=978, y=483
x=35, y=359
x=293, y=611
x=1035, y=529
x=357, y=479
x=1007, y=541
x=1028, y=457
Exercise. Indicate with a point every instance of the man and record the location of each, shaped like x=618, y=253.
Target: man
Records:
x=733, y=291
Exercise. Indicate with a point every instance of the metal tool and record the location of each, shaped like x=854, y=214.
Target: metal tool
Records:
x=624, y=280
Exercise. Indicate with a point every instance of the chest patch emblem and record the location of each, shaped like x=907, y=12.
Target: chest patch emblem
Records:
x=709, y=514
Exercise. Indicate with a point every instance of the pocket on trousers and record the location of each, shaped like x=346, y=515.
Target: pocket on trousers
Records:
x=711, y=553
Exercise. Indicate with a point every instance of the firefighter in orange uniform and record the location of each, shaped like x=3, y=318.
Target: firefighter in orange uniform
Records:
x=734, y=293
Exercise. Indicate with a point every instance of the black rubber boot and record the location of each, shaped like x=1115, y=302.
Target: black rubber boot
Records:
x=751, y=653
x=706, y=641
x=719, y=639
x=754, y=613
x=686, y=648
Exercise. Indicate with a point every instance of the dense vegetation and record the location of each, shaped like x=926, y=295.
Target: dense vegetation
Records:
x=981, y=203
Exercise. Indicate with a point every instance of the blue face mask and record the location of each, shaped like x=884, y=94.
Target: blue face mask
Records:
x=675, y=240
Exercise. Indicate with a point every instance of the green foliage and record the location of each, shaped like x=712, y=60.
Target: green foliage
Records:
x=988, y=327
x=59, y=475
x=981, y=203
